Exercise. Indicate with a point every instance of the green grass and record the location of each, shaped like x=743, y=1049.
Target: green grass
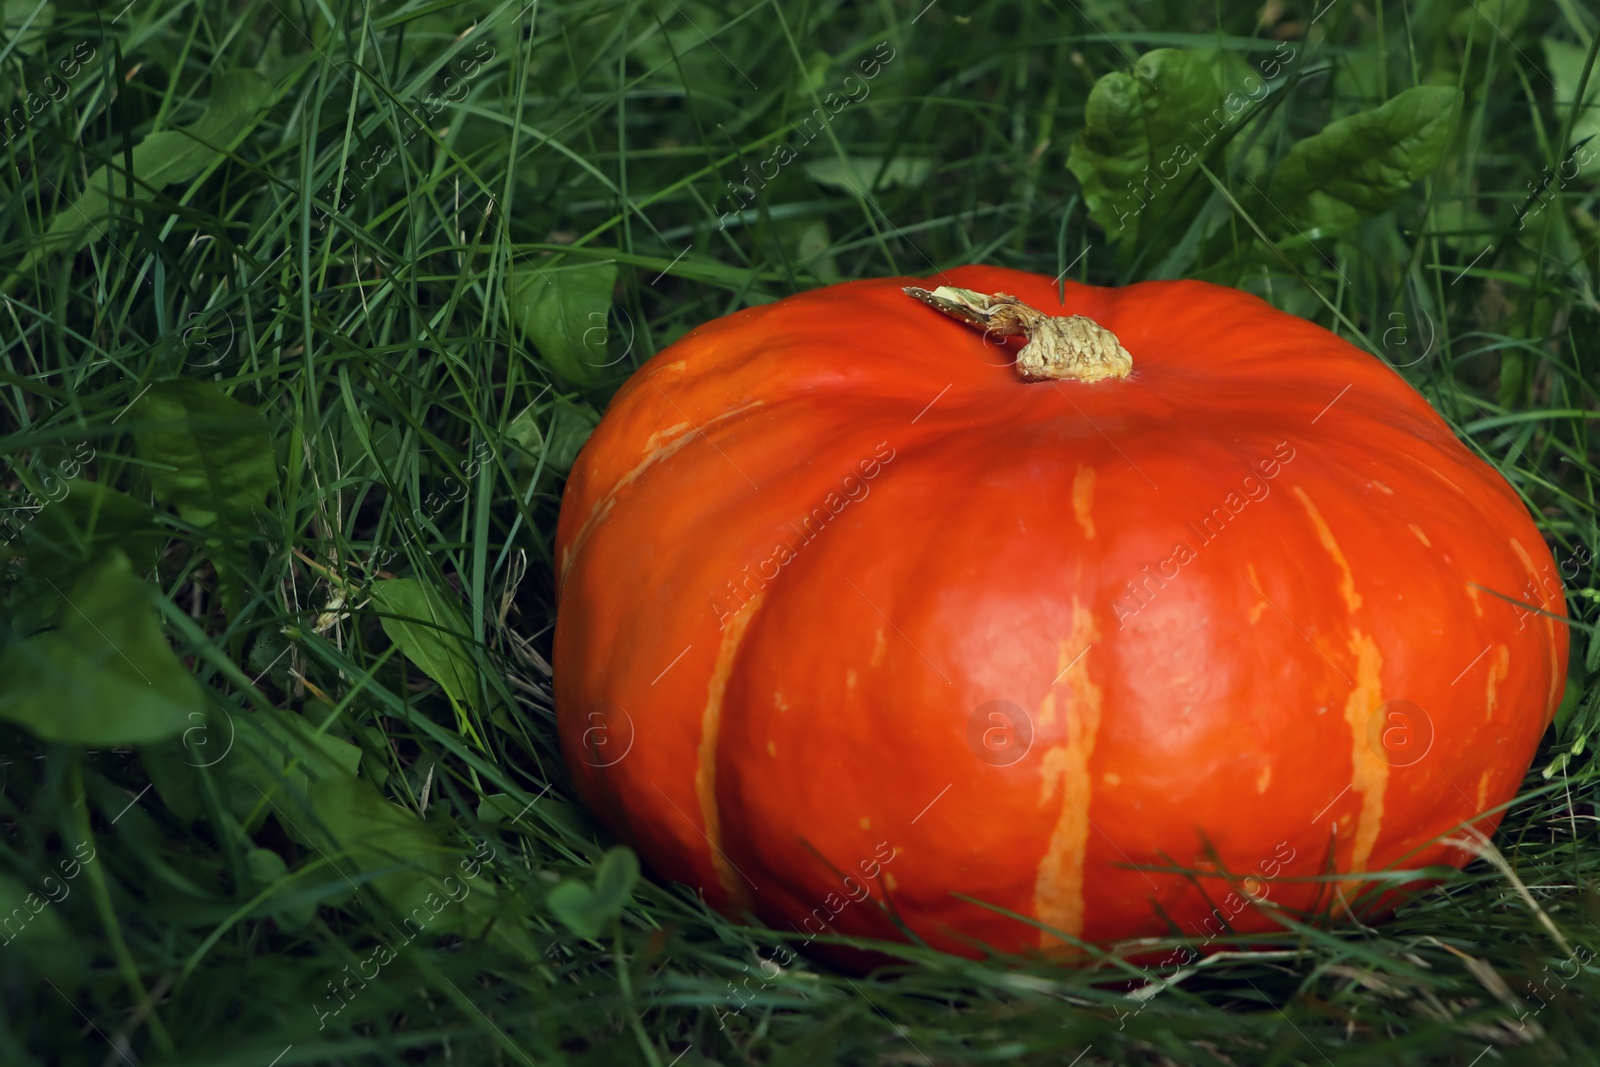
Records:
x=345, y=261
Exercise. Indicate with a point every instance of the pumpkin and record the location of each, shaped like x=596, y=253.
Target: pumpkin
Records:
x=1040, y=617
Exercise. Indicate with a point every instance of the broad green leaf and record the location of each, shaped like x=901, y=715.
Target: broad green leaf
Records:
x=266, y=869
x=552, y=433
x=429, y=631
x=1144, y=136
x=1478, y=31
x=1359, y=166
x=1566, y=66
x=1502, y=17
x=373, y=767
x=858, y=171
x=105, y=675
x=88, y=519
x=32, y=928
x=813, y=248
x=220, y=451
x=171, y=764
x=360, y=832
x=497, y=808
x=265, y=865
x=238, y=100
x=269, y=658
x=248, y=755
x=386, y=851
x=586, y=909
x=564, y=311
x=619, y=870
x=287, y=750
x=1458, y=222
x=370, y=447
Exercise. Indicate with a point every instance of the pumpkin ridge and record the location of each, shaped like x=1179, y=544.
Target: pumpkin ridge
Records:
x=1058, y=883
x=655, y=453
x=1347, y=581
x=1369, y=774
x=1499, y=667
x=705, y=775
x=1083, y=499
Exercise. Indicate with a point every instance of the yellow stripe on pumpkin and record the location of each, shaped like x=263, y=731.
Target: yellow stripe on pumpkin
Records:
x=1347, y=585
x=1058, y=884
x=1369, y=776
x=1499, y=667
x=705, y=774
x=1083, y=499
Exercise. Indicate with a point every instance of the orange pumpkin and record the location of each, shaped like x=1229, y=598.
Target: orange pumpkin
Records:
x=855, y=621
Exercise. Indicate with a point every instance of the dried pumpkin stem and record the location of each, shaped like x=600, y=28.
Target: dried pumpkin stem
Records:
x=1072, y=348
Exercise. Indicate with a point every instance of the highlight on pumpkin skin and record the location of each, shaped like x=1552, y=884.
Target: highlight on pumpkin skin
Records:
x=1060, y=348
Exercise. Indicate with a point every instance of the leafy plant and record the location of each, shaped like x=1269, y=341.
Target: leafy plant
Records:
x=274, y=337
x=588, y=909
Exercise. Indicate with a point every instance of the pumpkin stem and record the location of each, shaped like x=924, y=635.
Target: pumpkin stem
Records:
x=1070, y=348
